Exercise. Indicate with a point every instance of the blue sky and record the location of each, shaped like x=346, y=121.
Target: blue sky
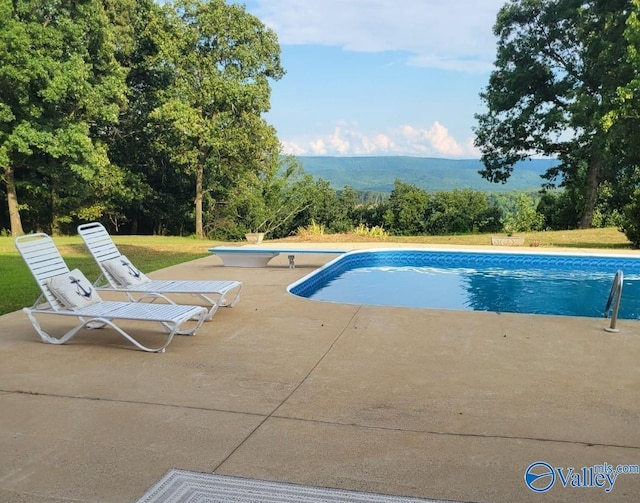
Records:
x=379, y=77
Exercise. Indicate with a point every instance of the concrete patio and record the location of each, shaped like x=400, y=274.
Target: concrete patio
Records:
x=414, y=402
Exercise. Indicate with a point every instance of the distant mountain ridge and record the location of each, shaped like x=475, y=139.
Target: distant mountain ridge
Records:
x=378, y=174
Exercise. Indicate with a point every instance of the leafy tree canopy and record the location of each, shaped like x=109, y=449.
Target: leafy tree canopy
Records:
x=559, y=66
x=220, y=59
x=60, y=84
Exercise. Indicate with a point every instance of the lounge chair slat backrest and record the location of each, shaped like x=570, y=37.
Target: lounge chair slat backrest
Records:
x=99, y=242
x=44, y=261
x=102, y=248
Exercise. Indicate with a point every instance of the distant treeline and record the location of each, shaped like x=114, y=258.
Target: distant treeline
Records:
x=410, y=210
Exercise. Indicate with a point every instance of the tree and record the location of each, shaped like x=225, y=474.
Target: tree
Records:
x=329, y=209
x=559, y=65
x=558, y=210
x=461, y=212
x=153, y=202
x=208, y=120
x=60, y=85
x=628, y=93
x=272, y=202
x=631, y=220
x=407, y=207
x=524, y=217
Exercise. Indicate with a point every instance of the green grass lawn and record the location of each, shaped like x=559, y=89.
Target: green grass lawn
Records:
x=150, y=253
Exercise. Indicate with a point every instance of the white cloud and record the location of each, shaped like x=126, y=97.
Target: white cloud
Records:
x=292, y=148
x=406, y=140
x=316, y=147
x=439, y=137
x=338, y=143
x=377, y=143
x=454, y=35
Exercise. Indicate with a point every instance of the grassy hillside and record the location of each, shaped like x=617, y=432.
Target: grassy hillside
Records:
x=378, y=174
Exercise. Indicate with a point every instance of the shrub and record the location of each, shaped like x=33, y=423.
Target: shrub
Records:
x=631, y=220
x=371, y=232
x=313, y=229
x=525, y=217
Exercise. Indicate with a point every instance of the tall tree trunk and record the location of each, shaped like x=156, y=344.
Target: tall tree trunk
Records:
x=12, y=202
x=591, y=192
x=55, y=218
x=198, y=200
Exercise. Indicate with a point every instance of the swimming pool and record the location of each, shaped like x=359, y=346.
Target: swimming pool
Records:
x=530, y=283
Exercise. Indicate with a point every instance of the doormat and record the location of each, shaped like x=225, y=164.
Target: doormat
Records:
x=180, y=486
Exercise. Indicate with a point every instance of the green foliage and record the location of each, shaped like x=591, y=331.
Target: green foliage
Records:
x=631, y=220
x=406, y=211
x=126, y=110
x=524, y=218
x=461, y=212
x=624, y=116
x=208, y=116
x=313, y=229
x=561, y=208
x=149, y=117
x=60, y=86
x=609, y=206
x=558, y=210
x=268, y=202
x=333, y=209
x=413, y=211
x=370, y=232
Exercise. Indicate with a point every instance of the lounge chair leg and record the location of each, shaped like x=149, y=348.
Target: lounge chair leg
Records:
x=172, y=329
x=223, y=302
x=44, y=335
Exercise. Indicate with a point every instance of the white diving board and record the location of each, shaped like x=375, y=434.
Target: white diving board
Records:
x=249, y=256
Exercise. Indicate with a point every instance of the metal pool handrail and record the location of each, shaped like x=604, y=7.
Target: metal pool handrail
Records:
x=613, y=303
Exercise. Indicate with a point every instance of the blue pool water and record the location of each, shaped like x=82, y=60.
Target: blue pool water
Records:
x=572, y=285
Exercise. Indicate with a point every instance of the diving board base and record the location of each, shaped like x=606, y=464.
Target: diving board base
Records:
x=233, y=259
x=241, y=256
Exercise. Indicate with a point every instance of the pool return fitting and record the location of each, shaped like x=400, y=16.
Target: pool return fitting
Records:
x=613, y=303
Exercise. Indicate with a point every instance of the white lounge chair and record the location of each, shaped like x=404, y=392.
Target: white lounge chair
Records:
x=69, y=293
x=120, y=275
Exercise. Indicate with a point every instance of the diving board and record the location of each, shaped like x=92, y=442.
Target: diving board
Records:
x=250, y=256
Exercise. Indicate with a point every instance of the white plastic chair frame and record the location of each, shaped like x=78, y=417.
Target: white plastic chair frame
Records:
x=102, y=248
x=44, y=261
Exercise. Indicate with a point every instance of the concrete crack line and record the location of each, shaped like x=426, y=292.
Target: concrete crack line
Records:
x=131, y=402
x=304, y=379
x=455, y=434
